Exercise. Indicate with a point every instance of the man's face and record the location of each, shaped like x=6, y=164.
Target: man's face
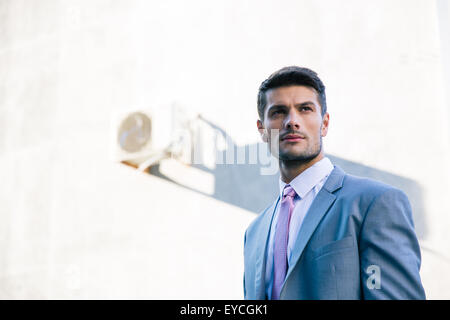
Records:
x=296, y=113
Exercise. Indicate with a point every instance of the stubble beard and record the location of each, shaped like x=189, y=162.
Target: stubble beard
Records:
x=287, y=157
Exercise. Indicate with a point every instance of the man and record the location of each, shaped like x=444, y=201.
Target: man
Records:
x=328, y=235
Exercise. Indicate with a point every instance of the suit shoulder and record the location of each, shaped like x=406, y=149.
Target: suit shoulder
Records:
x=379, y=197
x=365, y=191
x=368, y=186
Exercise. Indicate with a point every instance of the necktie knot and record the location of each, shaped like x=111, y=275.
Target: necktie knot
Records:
x=288, y=192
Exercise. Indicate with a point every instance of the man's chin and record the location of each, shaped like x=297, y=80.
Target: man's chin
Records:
x=294, y=156
x=291, y=154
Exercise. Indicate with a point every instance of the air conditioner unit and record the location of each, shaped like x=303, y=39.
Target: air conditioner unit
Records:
x=142, y=137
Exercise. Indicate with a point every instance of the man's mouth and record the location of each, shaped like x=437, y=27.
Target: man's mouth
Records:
x=292, y=138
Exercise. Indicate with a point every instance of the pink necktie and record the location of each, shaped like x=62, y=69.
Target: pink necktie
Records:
x=281, y=241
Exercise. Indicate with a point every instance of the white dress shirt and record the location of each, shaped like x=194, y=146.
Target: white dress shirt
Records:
x=307, y=185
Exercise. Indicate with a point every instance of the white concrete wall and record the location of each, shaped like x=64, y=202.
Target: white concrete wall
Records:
x=75, y=225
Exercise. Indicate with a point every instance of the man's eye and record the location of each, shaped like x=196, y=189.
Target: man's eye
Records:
x=277, y=112
x=306, y=108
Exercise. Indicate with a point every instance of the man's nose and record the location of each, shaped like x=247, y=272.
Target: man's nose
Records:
x=292, y=121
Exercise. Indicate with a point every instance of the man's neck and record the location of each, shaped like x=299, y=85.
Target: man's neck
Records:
x=291, y=169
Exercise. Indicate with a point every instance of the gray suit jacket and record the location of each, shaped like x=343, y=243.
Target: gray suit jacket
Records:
x=357, y=241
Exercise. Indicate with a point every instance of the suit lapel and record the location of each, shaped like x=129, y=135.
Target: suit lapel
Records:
x=319, y=207
x=263, y=238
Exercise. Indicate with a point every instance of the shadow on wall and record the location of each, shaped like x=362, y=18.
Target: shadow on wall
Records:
x=244, y=186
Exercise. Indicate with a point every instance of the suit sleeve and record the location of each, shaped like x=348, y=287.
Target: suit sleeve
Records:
x=389, y=250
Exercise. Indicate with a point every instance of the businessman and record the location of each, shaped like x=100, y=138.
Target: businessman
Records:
x=328, y=234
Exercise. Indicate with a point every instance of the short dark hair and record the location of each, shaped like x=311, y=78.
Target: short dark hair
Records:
x=289, y=76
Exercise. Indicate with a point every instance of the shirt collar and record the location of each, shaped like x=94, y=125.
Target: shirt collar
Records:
x=308, y=179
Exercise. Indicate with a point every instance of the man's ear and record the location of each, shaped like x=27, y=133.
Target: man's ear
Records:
x=262, y=131
x=325, y=122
